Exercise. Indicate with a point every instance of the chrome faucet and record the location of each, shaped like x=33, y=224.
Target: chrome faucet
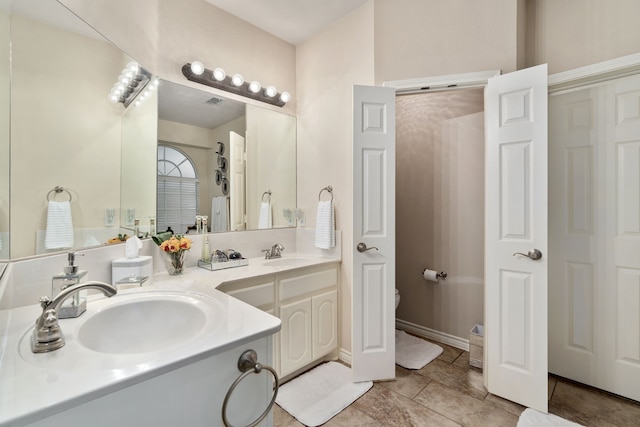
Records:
x=47, y=335
x=274, y=252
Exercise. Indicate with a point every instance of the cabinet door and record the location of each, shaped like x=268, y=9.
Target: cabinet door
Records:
x=295, y=336
x=324, y=323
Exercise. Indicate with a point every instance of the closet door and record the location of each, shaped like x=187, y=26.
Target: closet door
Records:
x=595, y=236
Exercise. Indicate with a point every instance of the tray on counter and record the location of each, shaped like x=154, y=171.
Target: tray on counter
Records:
x=213, y=266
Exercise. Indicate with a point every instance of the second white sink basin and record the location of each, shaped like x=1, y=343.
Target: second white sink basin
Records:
x=145, y=324
x=286, y=262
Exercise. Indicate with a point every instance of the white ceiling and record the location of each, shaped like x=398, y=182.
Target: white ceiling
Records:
x=291, y=20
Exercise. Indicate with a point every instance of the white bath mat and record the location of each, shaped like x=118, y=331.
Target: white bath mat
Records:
x=532, y=418
x=413, y=352
x=320, y=394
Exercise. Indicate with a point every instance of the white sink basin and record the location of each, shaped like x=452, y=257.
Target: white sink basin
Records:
x=287, y=262
x=131, y=325
x=146, y=324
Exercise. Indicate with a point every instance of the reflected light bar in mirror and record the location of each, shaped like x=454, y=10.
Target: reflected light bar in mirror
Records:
x=218, y=79
x=129, y=84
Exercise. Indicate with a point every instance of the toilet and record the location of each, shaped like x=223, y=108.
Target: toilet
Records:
x=397, y=298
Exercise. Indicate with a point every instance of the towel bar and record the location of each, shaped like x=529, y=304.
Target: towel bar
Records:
x=328, y=189
x=57, y=189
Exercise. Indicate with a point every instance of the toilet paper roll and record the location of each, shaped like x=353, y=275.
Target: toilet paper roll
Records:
x=431, y=275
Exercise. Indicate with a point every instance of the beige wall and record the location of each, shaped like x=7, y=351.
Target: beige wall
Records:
x=4, y=133
x=568, y=34
x=421, y=38
x=164, y=35
x=62, y=128
x=271, y=164
x=440, y=209
x=328, y=67
x=138, y=179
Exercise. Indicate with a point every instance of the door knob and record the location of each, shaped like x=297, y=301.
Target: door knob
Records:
x=363, y=248
x=534, y=254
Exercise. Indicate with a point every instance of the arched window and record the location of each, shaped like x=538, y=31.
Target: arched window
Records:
x=178, y=200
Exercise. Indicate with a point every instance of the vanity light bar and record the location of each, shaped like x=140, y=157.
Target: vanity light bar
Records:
x=196, y=72
x=130, y=83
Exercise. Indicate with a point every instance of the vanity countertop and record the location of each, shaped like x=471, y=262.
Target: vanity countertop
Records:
x=34, y=386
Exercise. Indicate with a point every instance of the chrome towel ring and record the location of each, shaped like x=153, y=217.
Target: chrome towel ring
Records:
x=328, y=189
x=268, y=194
x=57, y=189
x=248, y=364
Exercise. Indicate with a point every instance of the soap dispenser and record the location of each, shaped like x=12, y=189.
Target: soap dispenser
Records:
x=75, y=305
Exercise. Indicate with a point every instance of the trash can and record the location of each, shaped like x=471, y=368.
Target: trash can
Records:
x=476, y=344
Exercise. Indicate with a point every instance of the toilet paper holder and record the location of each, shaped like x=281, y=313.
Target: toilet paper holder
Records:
x=440, y=275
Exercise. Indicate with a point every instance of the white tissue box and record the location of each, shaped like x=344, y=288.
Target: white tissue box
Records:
x=126, y=267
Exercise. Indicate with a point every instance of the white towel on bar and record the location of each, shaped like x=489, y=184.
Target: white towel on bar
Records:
x=325, y=226
x=59, y=233
x=220, y=214
x=264, y=221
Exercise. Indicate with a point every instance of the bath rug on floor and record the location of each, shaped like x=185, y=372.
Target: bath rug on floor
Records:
x=315, y=397
x=532, y=418
x=413, y=352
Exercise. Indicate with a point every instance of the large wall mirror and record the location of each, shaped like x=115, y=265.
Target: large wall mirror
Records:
x=59, y=130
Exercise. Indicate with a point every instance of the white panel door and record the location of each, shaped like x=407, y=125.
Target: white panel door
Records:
x=237, y=181
x=594, y=281
x=373, y=278
x=621, y=290
x=574, y=243
x=516, y=223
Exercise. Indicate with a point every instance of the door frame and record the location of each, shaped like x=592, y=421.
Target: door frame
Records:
x=593, y=73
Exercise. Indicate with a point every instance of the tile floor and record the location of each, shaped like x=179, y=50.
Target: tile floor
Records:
x=448, y=392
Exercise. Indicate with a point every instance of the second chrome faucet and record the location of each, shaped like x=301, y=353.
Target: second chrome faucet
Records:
x=274, y=252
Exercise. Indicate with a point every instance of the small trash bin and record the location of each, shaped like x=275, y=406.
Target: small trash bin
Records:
x=476, y=344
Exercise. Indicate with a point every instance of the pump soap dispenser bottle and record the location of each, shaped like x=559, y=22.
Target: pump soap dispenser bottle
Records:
x=75, y=305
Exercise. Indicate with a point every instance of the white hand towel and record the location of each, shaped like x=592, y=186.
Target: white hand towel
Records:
x=325, y=226
x=264, y=221
x=219, y=214
x=59, y=233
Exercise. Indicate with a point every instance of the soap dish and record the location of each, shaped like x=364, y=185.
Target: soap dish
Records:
x=232, y=263
x=132, y=280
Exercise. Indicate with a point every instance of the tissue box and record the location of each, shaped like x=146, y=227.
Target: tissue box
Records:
x=125, y=267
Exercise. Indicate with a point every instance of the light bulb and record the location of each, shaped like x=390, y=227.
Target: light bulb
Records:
x=133, y=66
x=219, y=74
x=255, y=86
x=271, y=91
x=237, y=80
x=197, y=68
x=124, y=79
x=113, y=98
x=285, y=97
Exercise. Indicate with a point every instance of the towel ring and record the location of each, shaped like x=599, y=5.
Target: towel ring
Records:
x=248, y=364
x=57, y=190
x=329, y=189
x=268, y=194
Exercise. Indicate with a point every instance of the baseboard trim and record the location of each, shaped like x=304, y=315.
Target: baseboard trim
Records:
x=457, y=342
x=345, y=356
x=452, y=340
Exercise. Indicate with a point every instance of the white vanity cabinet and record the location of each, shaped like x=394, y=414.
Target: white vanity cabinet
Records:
x=306, y=301
x=308, y=309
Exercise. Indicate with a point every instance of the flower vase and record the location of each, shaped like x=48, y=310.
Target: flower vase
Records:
x=175, y=262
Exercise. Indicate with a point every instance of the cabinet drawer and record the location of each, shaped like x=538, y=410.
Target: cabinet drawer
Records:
x=258, y=295
x=292, y=285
